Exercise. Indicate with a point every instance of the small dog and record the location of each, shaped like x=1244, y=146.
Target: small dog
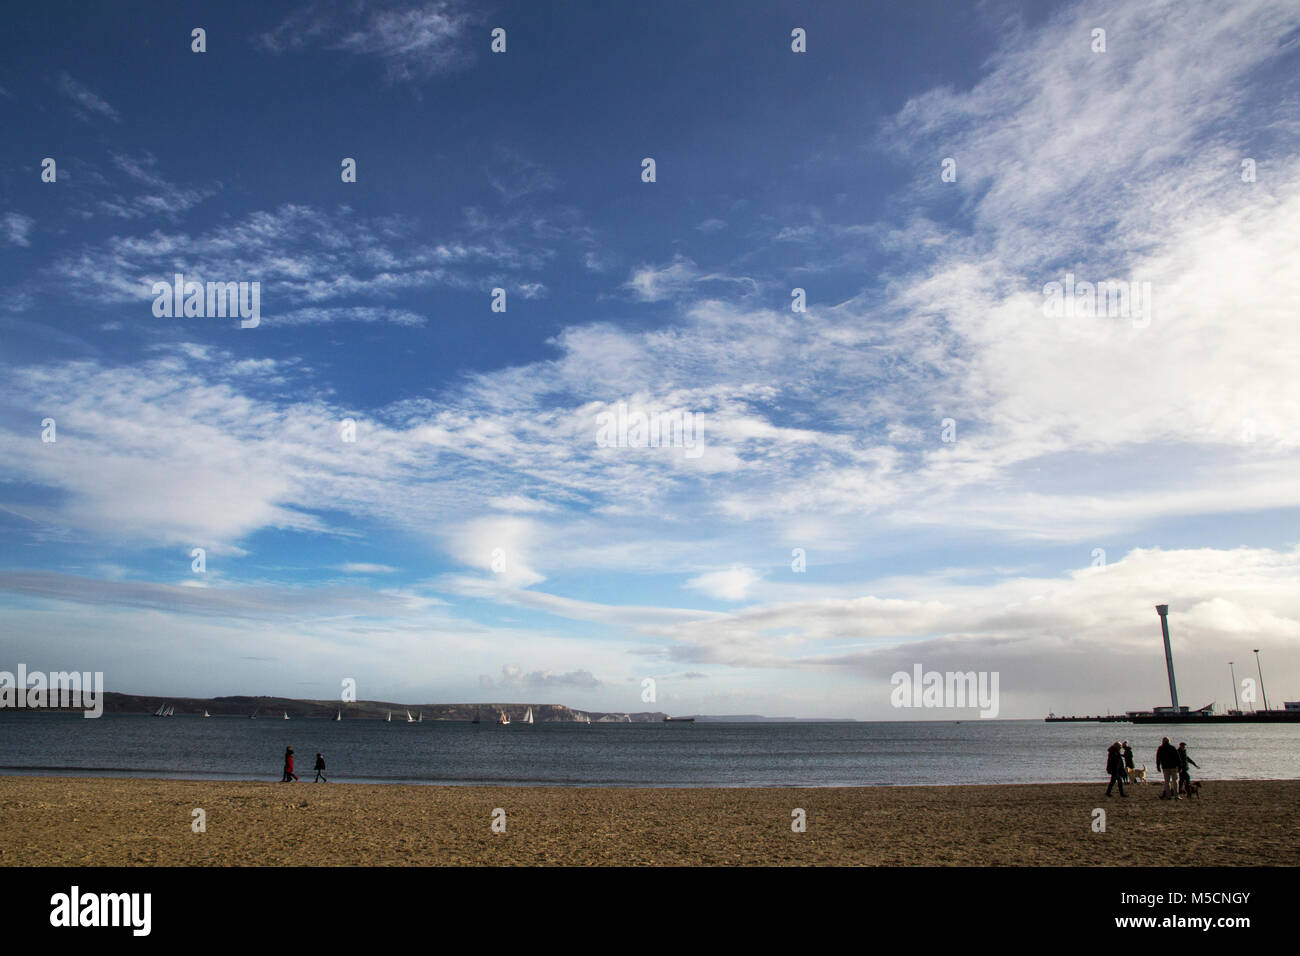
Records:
x=1193, y=788
x=1138, y=775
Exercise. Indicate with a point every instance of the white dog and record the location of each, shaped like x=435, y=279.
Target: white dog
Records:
x=1138, y=775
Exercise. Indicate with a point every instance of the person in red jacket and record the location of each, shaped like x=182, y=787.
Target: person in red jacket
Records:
x=288, y=766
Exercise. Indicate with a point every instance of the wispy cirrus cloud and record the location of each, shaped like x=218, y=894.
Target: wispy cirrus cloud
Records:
x=86, y=102
x=16, y=229
x=163, y=199
x=413, y=42
x=307, y=257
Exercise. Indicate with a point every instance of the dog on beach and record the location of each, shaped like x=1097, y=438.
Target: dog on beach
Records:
x=1138, y=775
x=1193, y=788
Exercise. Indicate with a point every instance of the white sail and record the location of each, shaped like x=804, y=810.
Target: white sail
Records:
x=286, y=715
x=420, y=719
x=339, y=715
x=409, y=718
x=505, y=718
x=389, y=718
x=528, y=717
x=206, y=714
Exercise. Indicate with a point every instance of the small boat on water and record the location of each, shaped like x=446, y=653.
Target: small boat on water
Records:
x=528, y=716
x=389, y=718
x=206, y=714
x=420, y=719
x=339, y=715
x=409, y=718
x=253, y=715
x=286, y=715
x=505, y=719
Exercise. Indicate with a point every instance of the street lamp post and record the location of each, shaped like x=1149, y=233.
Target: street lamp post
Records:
x=1262, y=692
x=1232, y=670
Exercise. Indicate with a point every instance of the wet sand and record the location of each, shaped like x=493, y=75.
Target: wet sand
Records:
x=60, y=821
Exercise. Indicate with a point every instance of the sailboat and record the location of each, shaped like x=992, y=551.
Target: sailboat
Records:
x=587, y=719
x=409, y=718
x=286, y=715
x=420, y=719
x=505, y=719
x=206, y=714
x=339, y=715
x=253, y=715
x=169, y=711
x=528, y=716
x=159, y=711
x=389, y=718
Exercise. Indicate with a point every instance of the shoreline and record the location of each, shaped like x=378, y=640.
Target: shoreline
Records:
x=132, y=821
x=50, y=773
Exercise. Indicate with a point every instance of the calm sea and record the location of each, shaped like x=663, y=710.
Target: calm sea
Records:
x=616, y=755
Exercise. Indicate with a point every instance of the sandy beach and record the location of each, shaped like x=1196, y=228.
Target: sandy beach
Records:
x=57, y=821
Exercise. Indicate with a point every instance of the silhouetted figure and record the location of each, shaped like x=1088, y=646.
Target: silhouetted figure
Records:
x=1115, y=767
x=320, y=769
x=288, y=766
x=1167, y=763
x=1184, y=775
x=1128, y=762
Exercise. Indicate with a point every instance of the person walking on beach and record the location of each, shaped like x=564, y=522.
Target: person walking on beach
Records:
x=1128, y=762
x=1167, y=763
x=1184, y=775
x=320, y=770
x=1115, y=767
x=288, y=766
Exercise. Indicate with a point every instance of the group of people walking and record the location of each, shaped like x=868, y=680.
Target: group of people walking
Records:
x=1172, y=761
x=288, y=768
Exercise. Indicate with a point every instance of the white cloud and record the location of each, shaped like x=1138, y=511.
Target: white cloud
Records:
x=87, y=102
x=413, y=42
x=729, y=584
x=652, y=284
x=16, y=229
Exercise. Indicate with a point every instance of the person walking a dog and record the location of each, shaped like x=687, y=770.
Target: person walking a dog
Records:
x=1115, y=767
x=1128, y=762
x=1184, y=775
x=1167, y=763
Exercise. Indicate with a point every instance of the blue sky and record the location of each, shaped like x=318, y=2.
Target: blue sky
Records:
x=476, y=541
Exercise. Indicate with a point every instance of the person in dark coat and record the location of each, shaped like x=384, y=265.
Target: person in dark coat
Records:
x=288, y=766
x=320, y=770
x=1167, y=763
x=1115, y=767
x=1128, y=762
x=1184, y=775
